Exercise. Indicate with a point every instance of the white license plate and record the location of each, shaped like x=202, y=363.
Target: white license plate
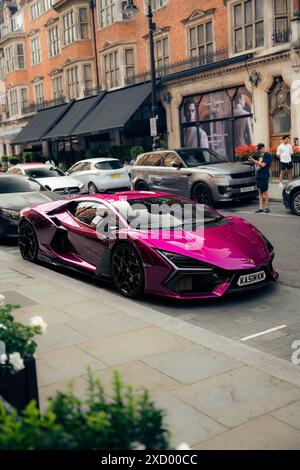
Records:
x=248, y=279
x=248, y=189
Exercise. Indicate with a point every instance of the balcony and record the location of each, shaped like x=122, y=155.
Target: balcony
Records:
x=282, y=36
x=182, y=66
x=31, y=108
x=14, y=25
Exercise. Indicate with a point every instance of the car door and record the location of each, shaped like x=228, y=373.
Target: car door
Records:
x=86, y=230
x=151, y=170
x=174, y=176
x=82, y=172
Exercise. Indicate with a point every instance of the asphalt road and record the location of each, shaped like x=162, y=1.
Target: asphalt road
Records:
x=238, y=317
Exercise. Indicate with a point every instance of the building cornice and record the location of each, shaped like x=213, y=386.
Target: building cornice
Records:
x=114, y=45
x=66, y=4
x=11, y=37
x=198, y=15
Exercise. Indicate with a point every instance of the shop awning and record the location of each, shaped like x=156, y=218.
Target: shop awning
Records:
x=75, y=115
x=114, y=110
x=40, y=124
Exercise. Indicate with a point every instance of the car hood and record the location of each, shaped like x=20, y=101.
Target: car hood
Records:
x=229, y=168
x=18, y=201
x=58, y=182
x=233, y=245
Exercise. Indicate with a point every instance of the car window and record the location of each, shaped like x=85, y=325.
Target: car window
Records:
x=170, y=159
x=16, y=184
x=75, y=168
x=152, y=159
x=81, y=166
x=197, y=157
x=91, y=213
x=43, y=172
x=109, y=165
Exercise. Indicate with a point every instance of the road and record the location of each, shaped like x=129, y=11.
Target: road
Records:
x=250, y=314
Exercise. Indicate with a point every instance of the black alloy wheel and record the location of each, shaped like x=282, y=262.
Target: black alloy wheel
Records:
x=128, y=271
x=202, y=194
x=142, y=186
x=92, y=188
x=295, y=203
x=28, y=242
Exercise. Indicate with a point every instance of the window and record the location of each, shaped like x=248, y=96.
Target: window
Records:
x=153, y=159
x=81, y=166
x=24, y=99
x=14, y=58
x=57, y=88
x=39, y=7
x=109, y=165
x=282, y=33
x=91, y=213
x=83, y=23
x=88, y=79
x=69, y=28
x=54, y=42
x=248, y=25
x=73, y=83
x=172, y=160
x=20, y=56
x=39, y=93
x=35, y=50
x=13, y=102
x=201, y=41
x=111, y=70
x=9, y=59
x=161, y=52
x=107, y=11
x=158, y=4
x=129, y=65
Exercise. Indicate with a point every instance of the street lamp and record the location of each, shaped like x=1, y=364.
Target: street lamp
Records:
x=131, y=8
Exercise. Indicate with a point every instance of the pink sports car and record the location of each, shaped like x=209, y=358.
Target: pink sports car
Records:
x=146, y=242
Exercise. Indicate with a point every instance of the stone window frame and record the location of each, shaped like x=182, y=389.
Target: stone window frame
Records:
x=55, y=77
x=44, y=7
x=79, y=64
x=199, y=20
x=231, y=29
x=156, y=4
x=39, y=99
x=33, y=53
x=119, y=16
x=57, y=40
x=75, y=9
x=14, y=57
x=120, y=48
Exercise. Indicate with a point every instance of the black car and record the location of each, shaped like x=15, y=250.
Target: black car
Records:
x=291, y=196
x=15, y=194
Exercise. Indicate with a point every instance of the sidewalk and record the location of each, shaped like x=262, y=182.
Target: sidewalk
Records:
x=275, y=191
x=218, y=394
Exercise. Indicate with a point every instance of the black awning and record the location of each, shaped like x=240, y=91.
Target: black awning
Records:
x=71, y=119
x=114, y=110
x=40, y=124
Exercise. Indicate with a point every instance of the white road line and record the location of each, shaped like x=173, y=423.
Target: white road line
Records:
x=271, y=330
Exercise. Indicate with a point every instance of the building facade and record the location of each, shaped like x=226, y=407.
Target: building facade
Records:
x=228, y=71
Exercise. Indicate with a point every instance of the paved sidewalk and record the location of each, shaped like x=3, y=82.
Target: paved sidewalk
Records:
x=218, y=393
x=275, y=191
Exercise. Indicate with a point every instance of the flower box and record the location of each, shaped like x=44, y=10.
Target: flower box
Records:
x=19, y=389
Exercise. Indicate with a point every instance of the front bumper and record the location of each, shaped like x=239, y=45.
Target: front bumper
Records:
x=286, y=199
x=8, y=227
x=232, y=189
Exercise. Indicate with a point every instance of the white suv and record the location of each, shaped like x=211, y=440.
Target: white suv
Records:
x=101, y=175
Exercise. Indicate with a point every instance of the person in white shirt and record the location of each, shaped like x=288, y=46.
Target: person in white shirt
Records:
x=285, y=152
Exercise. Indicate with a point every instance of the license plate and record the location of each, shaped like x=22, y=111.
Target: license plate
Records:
x=117, y=175
x=248, y=189
x=253, y=278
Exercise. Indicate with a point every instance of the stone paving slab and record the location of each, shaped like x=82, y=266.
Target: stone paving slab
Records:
x=289, y=415
x=79, y=387
x=59, y=336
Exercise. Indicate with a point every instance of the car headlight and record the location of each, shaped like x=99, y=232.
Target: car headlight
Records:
x=288, y=187
x=184, y=262
x=10, y=214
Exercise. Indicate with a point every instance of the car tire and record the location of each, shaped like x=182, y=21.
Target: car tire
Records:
x=295, y=203
x=202, y=194
x=92, y=188
x=127, y=271
x=28, y=242
x=141, y=186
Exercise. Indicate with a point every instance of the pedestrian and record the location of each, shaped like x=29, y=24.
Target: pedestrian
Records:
x=263, y=165
x=285, y=152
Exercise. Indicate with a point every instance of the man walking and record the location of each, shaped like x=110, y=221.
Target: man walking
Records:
x=263, y=165
x=285, y=152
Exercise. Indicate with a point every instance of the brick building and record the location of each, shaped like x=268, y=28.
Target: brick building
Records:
x=235, y=62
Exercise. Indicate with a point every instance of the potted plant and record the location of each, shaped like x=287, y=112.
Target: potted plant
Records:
x=18, y=381
x=125, y=421
x=243, y=152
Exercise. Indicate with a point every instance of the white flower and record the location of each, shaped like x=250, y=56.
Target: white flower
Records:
x=38, y=321
x=16, y=361
x=2, y=299
x=3, y=326
x=184, y=446
x=3, y=359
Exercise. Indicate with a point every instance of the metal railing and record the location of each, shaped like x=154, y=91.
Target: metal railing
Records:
x=91, y=92
x=282, y=36
x=182, y=66
x=34, y=107
x=275, y=167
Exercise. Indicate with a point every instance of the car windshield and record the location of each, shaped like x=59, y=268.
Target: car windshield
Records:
x=47, y=172
x=17, y=184
x=198, y=157
x=109, y=165
x=163, y=213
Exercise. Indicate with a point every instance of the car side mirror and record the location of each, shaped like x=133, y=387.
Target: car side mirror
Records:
x=67, y=173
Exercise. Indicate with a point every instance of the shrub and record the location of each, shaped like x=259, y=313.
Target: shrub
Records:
x=124, y=422
x=121, y=152
x=27, y=157
x=136, y=151
x=13, y=160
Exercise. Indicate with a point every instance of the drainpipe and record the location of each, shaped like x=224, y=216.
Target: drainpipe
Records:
x=93, y=8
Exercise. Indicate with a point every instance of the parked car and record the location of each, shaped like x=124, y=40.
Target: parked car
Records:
x=101, y=175
x=291, y=196
x=51, y=177
x=198, y=173
x=15, y=194
x=136, y=240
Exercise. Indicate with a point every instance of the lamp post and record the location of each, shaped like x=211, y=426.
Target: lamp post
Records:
x=131, y=8
x=93, y=7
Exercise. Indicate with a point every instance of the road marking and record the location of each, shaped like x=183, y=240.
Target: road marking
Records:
x=271, y=330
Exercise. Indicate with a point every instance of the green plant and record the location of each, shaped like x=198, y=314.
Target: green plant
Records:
x=136, y=151
x=16, y=339
x=163, y=144
x=27, y=157
x=126, y=421
x=121, y=152
x=13, y=160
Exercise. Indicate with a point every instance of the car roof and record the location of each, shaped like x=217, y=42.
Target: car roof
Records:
x=31, y=165
x=97, y=160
